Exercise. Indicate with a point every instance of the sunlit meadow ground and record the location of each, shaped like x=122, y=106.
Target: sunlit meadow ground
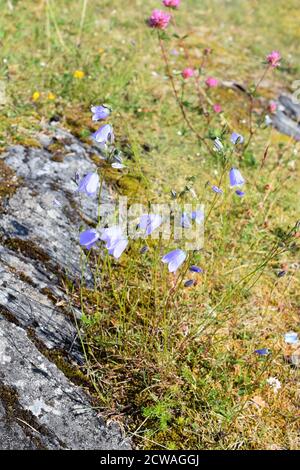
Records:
x=204, y=390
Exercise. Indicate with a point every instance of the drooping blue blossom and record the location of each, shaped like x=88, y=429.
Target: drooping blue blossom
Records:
x=196, y=269
x=291, y=337
x=198, y=216
x=100, y=112
x=104, y=135
x=115, y=241
x=216, y=189
x=281, y=273
x=189, y=283
x=185, y=220
x=218, y=146
x=235, y=177
x=144, y=249
x=240, y=193
x=149, y=222
x=174, y=259
x=89, y=184
x=88, y=238
x=236, y=138
x=262, y=352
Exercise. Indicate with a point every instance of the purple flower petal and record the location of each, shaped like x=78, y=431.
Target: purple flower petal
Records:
x=240, y=193
x=150, y=222
x=174, y=259
x=262, y=352
x=185, y=221
x=216, y=189
x=100, y=112
x=189, y=283
x=196, y=269
x=88, y=238
x=118, y=248
x=89, y=184
x=198, y=216
x=236, y=138
x=104, y=134
x=115, y=240
x=235, y=177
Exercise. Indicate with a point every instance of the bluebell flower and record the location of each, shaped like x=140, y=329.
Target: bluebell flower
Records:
x=291, y=337
x=144, y=249
x=262, y=352
x=189, y=283
x=216, y=189
x=185, y=220
x=115, y=240
x=236, y=138
x=100, y=112
x=198, y=216
x=174, y=259
x=196, y=269
x=104, y=134
x=89, y=184
x=218, y=146
x=150, y=222
x=235, y=177
x=281, y=273
x=240, y=193
x=88, y=238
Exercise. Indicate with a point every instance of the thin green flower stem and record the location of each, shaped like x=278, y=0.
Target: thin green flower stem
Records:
x=179, y=102
x=59, y=35
x=251, y=105
x=99, y=197
x=83, y=14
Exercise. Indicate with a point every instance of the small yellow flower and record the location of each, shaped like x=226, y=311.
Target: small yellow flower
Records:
x=78, y=74
x=101, y=50
x=51, y=96
x=36, y=95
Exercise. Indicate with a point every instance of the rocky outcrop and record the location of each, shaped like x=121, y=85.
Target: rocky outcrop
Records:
x=287, y=118
x=40, y=406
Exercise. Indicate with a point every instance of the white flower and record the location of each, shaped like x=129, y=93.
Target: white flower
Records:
x=274, y=383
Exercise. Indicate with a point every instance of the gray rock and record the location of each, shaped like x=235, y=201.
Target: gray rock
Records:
x=38, y=401
x=287, y=117
x=40, y=408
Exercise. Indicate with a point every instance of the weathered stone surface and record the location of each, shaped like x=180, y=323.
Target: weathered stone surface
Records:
x=287, y=117
x=40, y=402
x=39, y=226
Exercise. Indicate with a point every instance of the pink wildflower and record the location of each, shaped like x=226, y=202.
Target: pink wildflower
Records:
x=207, y=51
x=272, y=107
x=274, y=58
x=217, y=108
x=211, y=82
x=171, y=3
x=187, y=73
x=159, y=19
